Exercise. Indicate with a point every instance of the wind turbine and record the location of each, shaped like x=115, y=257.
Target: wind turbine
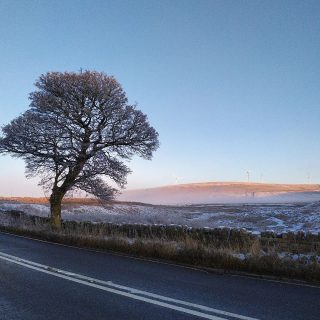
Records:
x=176, y=178
x=308, y=177
x=248, y=175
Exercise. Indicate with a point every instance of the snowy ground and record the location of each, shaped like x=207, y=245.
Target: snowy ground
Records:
x=255, y=218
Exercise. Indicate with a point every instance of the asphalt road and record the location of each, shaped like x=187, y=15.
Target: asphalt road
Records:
x=99, y=285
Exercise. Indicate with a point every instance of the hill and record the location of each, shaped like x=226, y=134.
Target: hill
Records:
x=204, y=193
x=224, y=192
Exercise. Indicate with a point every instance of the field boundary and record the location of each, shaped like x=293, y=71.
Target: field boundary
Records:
x=214, y=250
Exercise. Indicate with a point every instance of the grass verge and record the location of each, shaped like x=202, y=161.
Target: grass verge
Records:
x=223, y=249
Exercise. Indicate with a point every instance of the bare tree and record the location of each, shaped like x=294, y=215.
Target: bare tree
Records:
x=78, y=129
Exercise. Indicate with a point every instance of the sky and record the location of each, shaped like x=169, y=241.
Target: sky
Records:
x=230, y=86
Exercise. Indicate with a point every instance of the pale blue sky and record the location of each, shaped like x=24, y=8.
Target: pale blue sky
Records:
x=230, y=85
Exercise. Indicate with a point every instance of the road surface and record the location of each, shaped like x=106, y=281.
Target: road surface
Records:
x=40, y=280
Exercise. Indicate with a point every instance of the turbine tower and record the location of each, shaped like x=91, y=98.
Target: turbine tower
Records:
x=248, y=175
x=308, y=177
x=261, y=178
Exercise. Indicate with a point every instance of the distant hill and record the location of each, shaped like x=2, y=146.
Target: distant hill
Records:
x=204, y=193
x=224, y=192
x=65, y=201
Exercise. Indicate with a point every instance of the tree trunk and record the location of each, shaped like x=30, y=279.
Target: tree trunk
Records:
x=55, y=209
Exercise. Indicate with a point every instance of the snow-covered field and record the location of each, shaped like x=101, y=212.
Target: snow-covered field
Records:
x=252, y=217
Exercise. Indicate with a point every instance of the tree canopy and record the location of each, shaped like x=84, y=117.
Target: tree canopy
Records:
x=78, y=130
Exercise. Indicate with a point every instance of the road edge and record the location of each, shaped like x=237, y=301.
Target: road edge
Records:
x=43, y=237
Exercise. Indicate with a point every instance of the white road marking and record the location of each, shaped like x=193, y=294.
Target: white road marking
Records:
x=124, y=291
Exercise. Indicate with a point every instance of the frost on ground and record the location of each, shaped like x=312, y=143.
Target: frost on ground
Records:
x=256, y=218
